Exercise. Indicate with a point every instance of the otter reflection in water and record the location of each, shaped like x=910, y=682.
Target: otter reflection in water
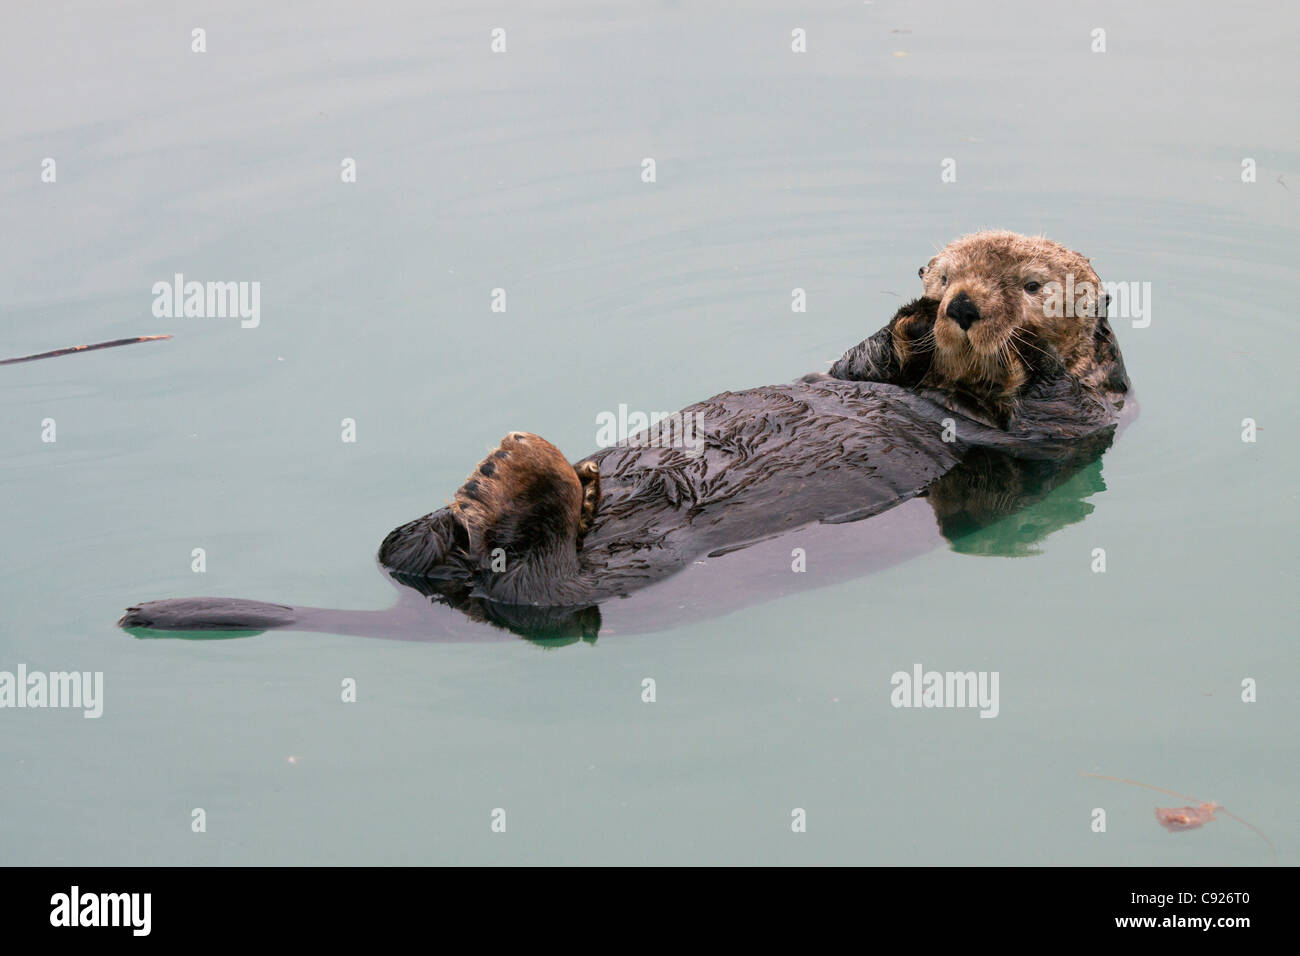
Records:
x=976, y=400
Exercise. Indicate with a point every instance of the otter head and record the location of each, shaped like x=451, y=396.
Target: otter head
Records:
x=1011, y=307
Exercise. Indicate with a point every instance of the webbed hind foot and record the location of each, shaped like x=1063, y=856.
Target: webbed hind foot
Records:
x=513, y=529
x=523, y=496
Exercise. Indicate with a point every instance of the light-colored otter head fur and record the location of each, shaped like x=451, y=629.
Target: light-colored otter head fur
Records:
x=1003, y=308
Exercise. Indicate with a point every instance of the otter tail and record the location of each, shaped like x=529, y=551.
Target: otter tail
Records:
x=427, y=542
x=208, y=614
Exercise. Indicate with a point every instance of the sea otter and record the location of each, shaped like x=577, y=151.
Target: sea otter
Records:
x=976, y=396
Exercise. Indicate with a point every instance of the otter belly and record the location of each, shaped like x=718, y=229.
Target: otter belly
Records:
x=772, y=459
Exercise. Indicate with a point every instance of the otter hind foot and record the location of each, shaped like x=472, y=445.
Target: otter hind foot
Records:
x=523, y=498
x=513, y=529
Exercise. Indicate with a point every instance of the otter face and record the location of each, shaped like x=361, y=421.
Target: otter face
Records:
x=1000, y=311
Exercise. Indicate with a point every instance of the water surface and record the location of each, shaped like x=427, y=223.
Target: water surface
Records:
x=522, y=171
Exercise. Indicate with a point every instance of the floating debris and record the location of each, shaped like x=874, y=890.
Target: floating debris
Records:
x=1186, y=818
x=1177, y=819
x=83, y=348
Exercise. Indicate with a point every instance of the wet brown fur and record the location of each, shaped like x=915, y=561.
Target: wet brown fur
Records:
x=992, y=268
x=525, y=481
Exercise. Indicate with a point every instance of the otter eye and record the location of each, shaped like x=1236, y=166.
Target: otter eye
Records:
x=1033, y=286
x=944, y=280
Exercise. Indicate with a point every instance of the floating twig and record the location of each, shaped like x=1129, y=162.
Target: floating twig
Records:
x=83, y=348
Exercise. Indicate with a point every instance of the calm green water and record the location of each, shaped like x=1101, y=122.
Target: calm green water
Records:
x=522, y=171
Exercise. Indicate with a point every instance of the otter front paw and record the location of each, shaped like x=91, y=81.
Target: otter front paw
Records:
x=589, y=476
x=899, y=354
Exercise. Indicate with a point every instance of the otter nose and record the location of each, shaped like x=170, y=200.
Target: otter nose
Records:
x=962, y=310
